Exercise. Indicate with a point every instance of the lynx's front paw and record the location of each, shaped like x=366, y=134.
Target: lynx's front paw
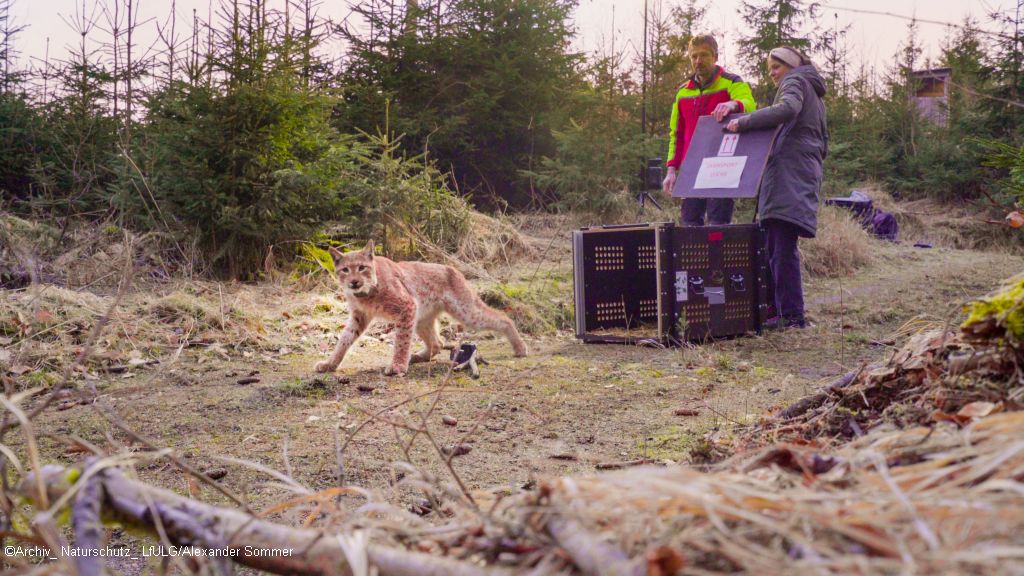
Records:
x=325, y=366
x=395, y=371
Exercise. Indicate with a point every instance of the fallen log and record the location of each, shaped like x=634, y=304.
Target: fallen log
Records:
x=251, y=541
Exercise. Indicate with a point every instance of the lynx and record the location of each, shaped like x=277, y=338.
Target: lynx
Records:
x=412, y=295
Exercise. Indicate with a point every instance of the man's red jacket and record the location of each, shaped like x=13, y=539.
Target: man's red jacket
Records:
x=694, y=100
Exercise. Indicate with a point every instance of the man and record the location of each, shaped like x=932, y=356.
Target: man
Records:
x=711, y=90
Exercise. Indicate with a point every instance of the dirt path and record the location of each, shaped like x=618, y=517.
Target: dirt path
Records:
x=562, y=410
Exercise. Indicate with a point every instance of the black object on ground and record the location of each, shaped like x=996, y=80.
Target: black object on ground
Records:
x=466, y=357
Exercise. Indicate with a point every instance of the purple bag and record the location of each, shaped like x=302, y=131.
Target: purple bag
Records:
x=884, y=225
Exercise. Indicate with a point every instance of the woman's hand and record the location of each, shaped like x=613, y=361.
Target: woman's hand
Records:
x=733, y=126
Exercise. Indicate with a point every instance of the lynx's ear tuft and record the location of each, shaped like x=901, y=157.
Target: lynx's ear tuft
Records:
x=335, y=253
x=369, y=249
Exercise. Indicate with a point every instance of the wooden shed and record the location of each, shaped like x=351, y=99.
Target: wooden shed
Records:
x=932, y=93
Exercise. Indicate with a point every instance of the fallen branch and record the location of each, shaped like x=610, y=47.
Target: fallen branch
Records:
x=591, y=554
x=120, y=368
x=619, y=465
x=812, y=402
x=253, y=542
x=85, y=518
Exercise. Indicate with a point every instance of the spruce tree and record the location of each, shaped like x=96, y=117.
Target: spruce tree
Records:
x=773, y=23
x=480, y=84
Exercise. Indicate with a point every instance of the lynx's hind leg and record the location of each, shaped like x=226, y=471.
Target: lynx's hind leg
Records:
x=468, y=308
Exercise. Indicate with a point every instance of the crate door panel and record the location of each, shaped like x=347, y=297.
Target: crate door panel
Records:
x=620, y=279
x=693, y=267
x=737, y=256
x=716, y=280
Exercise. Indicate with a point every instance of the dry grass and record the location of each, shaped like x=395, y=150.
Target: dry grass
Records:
x=195, y=312
x=206, y=311
x=490, y=244
x=493, y=242
x=33, y=236
x=46, y=326
x=890, y=502
x=541, y=308
x=47, y=323
x=841, y=247
x=92, y=255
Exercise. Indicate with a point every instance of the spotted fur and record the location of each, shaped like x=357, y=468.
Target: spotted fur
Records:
x=411, y=295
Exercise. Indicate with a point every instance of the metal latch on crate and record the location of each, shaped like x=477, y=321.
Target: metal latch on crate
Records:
x=739, y=283
x=697, y=285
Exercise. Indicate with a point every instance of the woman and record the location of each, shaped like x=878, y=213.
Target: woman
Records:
x=788, y=201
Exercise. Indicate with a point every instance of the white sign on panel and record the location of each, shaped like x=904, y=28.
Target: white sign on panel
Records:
x=720, y=172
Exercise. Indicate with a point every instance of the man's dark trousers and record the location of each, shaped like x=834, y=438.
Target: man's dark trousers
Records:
x=719, y=211
x=784, y=261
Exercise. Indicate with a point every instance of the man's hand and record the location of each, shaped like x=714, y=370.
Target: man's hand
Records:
x=733, y=126
x=724, y=109
x=670, y=181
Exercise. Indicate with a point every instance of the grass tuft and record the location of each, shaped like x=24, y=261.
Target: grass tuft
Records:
x=841, y=247
x=538, y=308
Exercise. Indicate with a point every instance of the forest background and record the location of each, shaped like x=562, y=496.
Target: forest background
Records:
x=240, y=135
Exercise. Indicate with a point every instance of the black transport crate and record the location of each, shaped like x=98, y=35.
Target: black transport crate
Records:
x=666, y=284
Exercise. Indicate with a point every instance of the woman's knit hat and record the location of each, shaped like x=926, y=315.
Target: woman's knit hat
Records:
x=787, y=56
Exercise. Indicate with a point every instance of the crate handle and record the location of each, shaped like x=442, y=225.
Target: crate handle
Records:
x=697, y=285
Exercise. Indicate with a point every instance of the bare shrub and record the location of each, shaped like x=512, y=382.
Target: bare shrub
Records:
x=841, y=246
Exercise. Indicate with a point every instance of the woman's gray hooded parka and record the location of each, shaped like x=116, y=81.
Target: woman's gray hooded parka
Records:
x=792, y=178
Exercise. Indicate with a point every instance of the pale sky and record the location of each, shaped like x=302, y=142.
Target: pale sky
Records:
x=872, y=39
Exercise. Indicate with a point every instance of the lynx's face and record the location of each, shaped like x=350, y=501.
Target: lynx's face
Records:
x=356, y=271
